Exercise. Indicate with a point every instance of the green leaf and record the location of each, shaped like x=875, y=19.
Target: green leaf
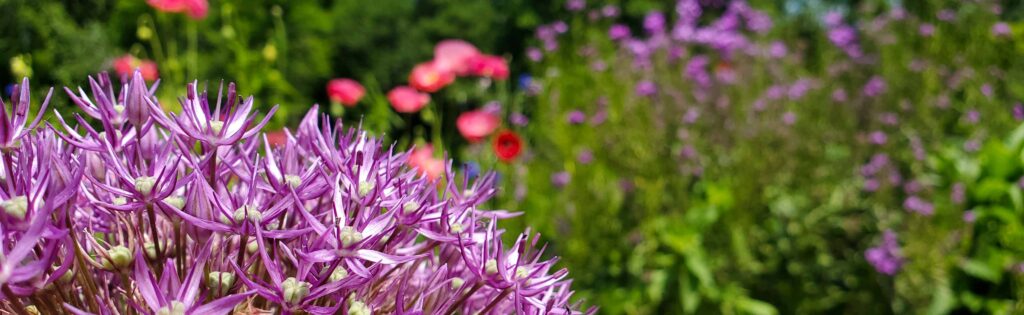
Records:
x=981, y=270
x=942, y=301
x=755, y=307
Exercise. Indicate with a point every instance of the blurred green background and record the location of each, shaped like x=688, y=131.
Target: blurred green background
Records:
x=743, y=157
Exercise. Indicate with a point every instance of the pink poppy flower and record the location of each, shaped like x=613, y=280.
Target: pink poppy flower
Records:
x=489, y=66
x=348, y=92
x=195, y=9
x=454, y=55
x=429, y=77
x=124, y=66
x=477, y=124
x=405, y=99
x=422, y=159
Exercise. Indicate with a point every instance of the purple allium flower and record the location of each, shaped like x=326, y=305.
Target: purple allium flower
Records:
x=518, y=119
x=886, y=257
x=534, y=54
x=970, y=216
x=560, y=179
x=917, y=205
x=646, y=88
x=618, y=32
x=696, y=70
x=560, y=27
x=839, y=95
x=1001, y=29
x=777, y=50
x=1018, y=111
x=833, y=18
x=575, y=5
x=926, y=29
x=191, y=213
x=576, y=117
x=871, y=185
x=946, y=15
x=654, y=22
x=874, y=87
x=987, y=91
x=585, y=156
x=789, y=118
x=610, y=11
x=878, y=137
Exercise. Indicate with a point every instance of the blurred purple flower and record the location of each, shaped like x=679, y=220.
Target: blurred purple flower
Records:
x=585, y=156
x=874, y=87
x=576, y=117
x=926, y=30
x=646, y=88
x=1001, y=29
x=560, y=179
x=654, y=22
x=618, y=32
x=886, y=257
x=575, y=5
x=917, y=205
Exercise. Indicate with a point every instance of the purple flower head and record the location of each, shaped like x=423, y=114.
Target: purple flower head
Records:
x=610, y=11
x=777, y=50
x=878, y=137
x=886, y=257
x=518, y=119
x=560, y=179
x=191, y=213
x=789, y=118
x=646, y=88
x=534, y=54
x=833, y=18
x=654, y=22
x=576, y=117
x=946, y=15
x=1018, y=111
x=585, y=156
x=1001, y=29
x=575, y=5
x=926, y=30
x=839, y=95
x=917, y=205
x=874, y=87
x=618, y=32
x=958, y=193
x=970, y=216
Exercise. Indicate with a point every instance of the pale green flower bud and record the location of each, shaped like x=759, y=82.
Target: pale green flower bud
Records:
x=410, y=207
x=349, y=235
x=144, y=184
x=359, y=308
x=293, y=180
x=338, y=274
x=457, y=283
x=295, y=290
x=220, y=282
x=119, y=257
x=16, y=207
x=216, y=126
x=248, y=212
x=176, y=308
x=175, y=201
x=365, y=188
x=491, y=266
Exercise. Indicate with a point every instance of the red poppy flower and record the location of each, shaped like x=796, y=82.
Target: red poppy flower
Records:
x=507, y=146
x=348, y=92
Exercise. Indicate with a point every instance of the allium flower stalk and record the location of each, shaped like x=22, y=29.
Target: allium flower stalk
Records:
x=134, y=210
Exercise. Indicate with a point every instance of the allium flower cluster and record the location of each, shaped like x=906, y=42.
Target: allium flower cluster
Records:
x=134, y=210
x=886, y=257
